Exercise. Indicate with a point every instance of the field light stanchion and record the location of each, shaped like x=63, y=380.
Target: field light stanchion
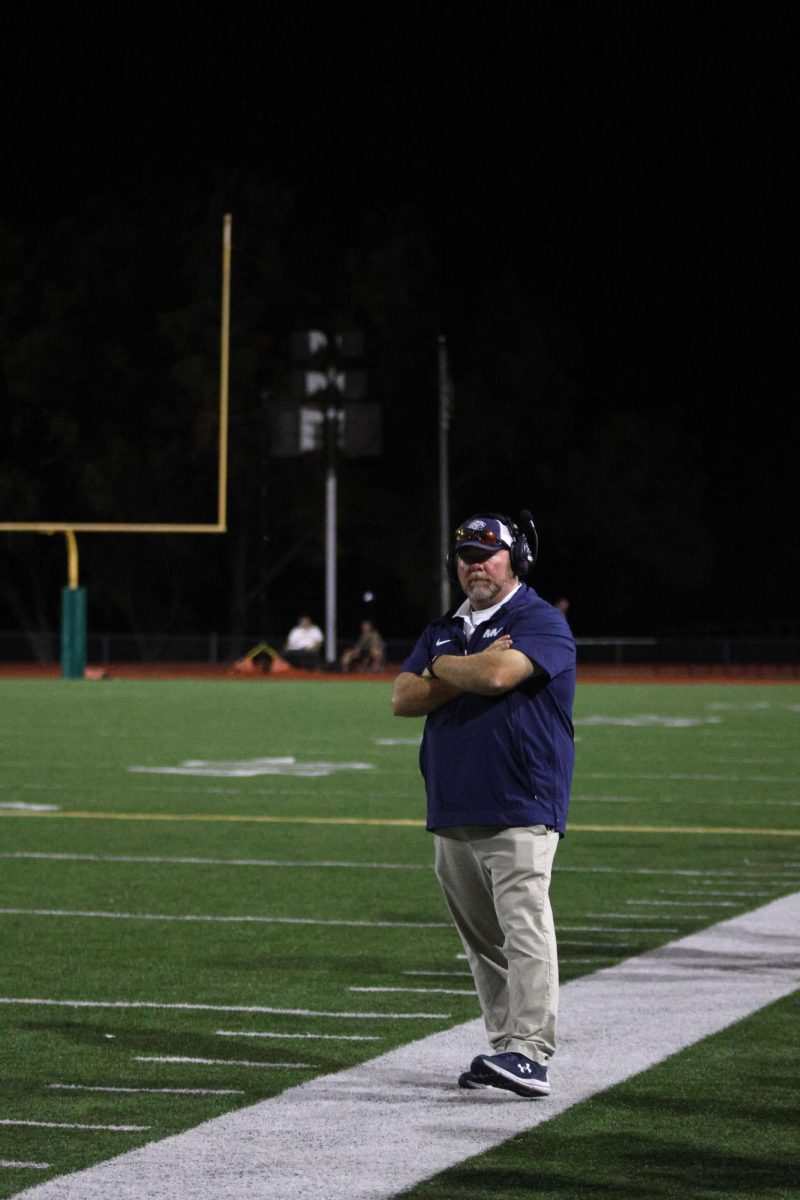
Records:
x=331, y=416
x=224, y=372
x=73, y=616
x=445, y=408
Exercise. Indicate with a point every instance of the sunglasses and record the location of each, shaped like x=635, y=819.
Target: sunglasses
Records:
x=485, y=536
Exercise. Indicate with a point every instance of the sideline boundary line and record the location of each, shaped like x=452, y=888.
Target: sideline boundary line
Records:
x=408, y=822
x=380, y=1128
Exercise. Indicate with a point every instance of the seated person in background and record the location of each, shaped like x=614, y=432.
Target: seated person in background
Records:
x=368, y=653
x=303, y=645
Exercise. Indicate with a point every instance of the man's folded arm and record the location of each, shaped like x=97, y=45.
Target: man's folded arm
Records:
x=418, y=695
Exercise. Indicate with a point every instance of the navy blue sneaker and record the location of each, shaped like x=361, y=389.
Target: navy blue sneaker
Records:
x=514, y=1072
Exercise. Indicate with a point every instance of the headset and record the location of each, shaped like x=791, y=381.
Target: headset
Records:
x=524, y=549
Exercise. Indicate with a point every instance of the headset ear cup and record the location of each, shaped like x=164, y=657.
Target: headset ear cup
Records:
x=521, y=556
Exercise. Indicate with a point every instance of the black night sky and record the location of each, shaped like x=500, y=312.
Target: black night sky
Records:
x=600, y=212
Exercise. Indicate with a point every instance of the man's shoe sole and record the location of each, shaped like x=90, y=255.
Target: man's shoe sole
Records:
x=472, y=1082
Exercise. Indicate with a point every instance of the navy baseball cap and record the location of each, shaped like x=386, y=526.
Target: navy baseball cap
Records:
x=484, y=533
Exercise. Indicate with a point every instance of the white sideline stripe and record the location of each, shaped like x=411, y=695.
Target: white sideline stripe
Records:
x=89, y=1087
x=244, y=1008
x=24, y=1166
x=322, y=1037
x=260, y=920
x=226, y=1062
x=70, y=1125
x=386, y=1125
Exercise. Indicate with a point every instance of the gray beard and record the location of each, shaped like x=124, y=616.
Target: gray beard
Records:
x=483, y=590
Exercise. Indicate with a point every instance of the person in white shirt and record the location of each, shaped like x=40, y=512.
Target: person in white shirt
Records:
x=303, y=645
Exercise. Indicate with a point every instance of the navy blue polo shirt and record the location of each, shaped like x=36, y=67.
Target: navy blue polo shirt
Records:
x=502, y=760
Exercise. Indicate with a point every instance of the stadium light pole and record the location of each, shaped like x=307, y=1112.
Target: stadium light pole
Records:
x=331, y=483
x=445, y=412
x=335, y=388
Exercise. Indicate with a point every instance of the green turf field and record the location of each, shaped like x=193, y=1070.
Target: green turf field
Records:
x=175, y=854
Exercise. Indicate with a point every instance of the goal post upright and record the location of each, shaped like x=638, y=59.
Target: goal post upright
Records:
x=73, y=596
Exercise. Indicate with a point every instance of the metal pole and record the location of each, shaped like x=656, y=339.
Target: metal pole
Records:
x=445, y=401
x=224, y=373
x=331, y=415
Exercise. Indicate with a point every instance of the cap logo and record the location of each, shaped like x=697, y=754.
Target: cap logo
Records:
x=476, y=525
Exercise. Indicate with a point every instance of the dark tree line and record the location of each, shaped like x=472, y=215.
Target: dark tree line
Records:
x=109, y=361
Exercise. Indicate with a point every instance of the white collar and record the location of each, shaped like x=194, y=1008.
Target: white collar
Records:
x=472, y=618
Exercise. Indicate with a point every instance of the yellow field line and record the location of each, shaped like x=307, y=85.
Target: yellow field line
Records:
x=394, y=821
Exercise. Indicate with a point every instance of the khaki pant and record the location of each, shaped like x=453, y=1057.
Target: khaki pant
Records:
x=496, y=883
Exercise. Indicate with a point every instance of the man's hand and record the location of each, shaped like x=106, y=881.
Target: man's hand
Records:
x=504, y=642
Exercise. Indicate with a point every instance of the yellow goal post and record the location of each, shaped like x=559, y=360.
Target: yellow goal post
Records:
x=73, y=597
x=70, y=528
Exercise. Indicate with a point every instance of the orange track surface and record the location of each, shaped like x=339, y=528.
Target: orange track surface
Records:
x=666, y=673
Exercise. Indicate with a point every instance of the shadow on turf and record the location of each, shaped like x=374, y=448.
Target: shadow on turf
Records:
x=635, y=1169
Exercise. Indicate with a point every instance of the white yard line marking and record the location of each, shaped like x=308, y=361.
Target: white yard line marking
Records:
x=656, y=776
x=707, y=892
x=758, y=801
x=604, y=945
x=24, y=1166
x=225, y=1062
x=450, y=974
x=249, y=767
x=629, y=916
x=21, y=806
x=649, y=720
x=751, y=872
x=213, y=862
x=69, y=1125
x=596, y=958
x=87, y=1087
x=687, y=903
x=386, y=1125
x=244, y=919
x=619, y=928
x=321, y=1037
x=243, y=1008
x=419, y=991
x=754, y=875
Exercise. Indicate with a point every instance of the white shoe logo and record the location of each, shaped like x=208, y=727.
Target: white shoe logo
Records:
x=525, y=1068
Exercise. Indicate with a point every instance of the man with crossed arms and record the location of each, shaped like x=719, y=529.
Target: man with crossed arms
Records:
x=495, y=679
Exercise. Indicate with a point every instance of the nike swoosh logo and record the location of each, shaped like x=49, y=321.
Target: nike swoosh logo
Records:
x=442, y=641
